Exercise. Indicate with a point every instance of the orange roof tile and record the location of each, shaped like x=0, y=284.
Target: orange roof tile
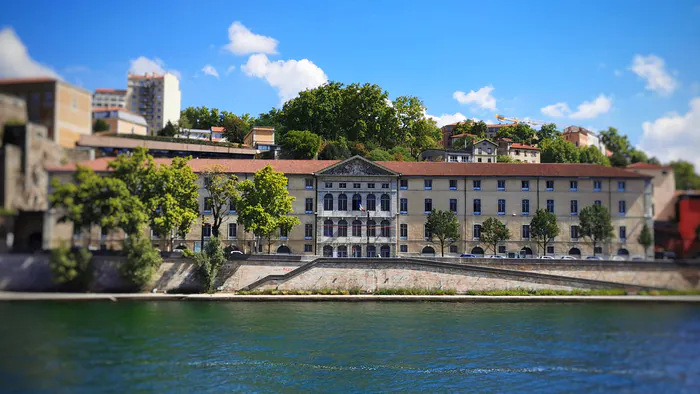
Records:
x=11, y=81
x=217, y=129
x=647, y=166
x=462, y=135
x=108, y=90
x=517, y=145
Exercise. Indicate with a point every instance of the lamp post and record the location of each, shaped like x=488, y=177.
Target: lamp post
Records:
x=367, y=248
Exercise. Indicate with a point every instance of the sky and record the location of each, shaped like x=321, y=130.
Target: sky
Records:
x=630, y=65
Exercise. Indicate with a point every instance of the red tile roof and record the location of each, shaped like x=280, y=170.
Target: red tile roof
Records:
x=505, y=139
x=107, y=90
x=517, y=145
x=11, y=81
x=547, y=170
x=110, y=109
x=462, y=135
x=647, y=166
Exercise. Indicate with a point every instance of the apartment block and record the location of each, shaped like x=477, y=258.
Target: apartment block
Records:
x=360, y=208
x=583, y=137
x=109, y=98
x=120, y=121
x=155, y=97
x=65, y=110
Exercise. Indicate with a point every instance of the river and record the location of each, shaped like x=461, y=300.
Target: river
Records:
x=129, y=347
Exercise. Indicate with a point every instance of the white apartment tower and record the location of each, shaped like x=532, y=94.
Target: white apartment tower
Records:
x=156, y=97
x=109, y=98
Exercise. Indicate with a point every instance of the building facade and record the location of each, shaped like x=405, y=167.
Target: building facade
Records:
x=664, y=185
x=156, y=97
x=583, y=137
x=120, y=121
x=109, y=98
x=359, y=208
x=65, y=110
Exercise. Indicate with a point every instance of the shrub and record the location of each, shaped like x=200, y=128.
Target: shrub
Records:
x=209, y=261
x=142, y=260
x=71, y=268
x=188, y=254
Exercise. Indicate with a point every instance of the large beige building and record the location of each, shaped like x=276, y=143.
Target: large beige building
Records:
x=64, y=109
x=664, y=189
x=156, y=97
x=109, y=98
x=120, y=121
x=362, y=208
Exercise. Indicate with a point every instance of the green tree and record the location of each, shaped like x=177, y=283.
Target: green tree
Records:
x=544, y=228
x=465, y=142
x=71, y=268
x=493, y=232
x=265, y=204
x=504, y=159
x=443, y=226
x=99, y=126
x=464, y=127
x=426, y=135
x=548, y=132
x=618, y=144
x=201, y=118
x=235, y=128
x=479, y=129
x=335, y=150
x=686, y=177
x=401, y=153
x=142, y=260
x=596, y=225
x=645, y=239
x=209, y=261
x=380, y=155
x=591, y=155
x=520, y=132
x=558, y=150
x=170, y=130
x=222, y=191
x=302, y=145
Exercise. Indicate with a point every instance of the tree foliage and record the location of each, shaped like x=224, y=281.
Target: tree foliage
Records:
x=301, y=144
x=558, y=150
x=645, y=239
x=221, y=188
x=209, y=261
x=686, y=177
x=169, y=130
x=443, y=226
x=519, y=132
x=71, y=268
x=547, y=132
x=591, y=155
x=493, y=232
x=335, y=150
x=265, y=204
x=235, y=128
x=504, y=159
x=544, y=228
x=142, y=260
x=100, y=125
x=596, y=225
x=380, y=155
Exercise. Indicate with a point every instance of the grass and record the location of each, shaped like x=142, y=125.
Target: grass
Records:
x=511, y=292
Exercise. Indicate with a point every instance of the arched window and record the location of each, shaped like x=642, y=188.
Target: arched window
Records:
x=371, y=228
x=356, y=202
x=371, y=202
x=342, y=251
x=623, y=252
x=342, y=228
x=356, y=228
x=342, y=202
x=327, y=251
x=284, y=249
x=527, y=252
x=575, y=252
x=477, y=251
x=385, y=251
x=328, y=228
x=385, y=202
x=371, y=251
x=385, y=230
x=428, y=250
x=328, y=202
x=356, y=251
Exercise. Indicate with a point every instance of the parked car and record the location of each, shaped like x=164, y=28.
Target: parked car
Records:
x=594, y=258
x=468, y=255
x=617, y=258
x=546, y=257
x=495, y=256
x=638, y=258
x=568, y=258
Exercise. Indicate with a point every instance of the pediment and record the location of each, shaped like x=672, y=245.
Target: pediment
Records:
x=357, y=166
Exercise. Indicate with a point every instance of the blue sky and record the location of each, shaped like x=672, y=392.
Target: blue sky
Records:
x=625, y=63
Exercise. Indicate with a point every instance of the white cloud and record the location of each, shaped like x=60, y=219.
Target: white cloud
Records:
x=210, y=70
x=586, y=110
x=244, y=42
x=482, y=98
x=15, y=61
x=556, y=110
x=289, y=77
x=674, y=136
x=143, y=65
x=445, y=119
x=230, y=70
x=653, y=69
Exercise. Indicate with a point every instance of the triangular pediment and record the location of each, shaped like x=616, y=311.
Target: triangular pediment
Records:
x=357, y=166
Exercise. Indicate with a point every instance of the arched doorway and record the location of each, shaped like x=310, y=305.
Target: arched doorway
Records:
x=385, y=250
x=35, y=241
x=428, y=250
x=284, y=249
x=342, y=251
x=623, y=252
x=575, y=252
x=371, y=251
x=327, y=251
x=478, y=251
x=356, y=251
x=526, y=252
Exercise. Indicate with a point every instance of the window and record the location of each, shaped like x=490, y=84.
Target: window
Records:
x=525, y=185
x=453, y=205
x=621, y=186
x=384, y=202
x=403, y=248
x=309, y=183
x=526, y=207
x=550, y=206
x=356, y=228
x=329, y=185
x=597, y=186
x=526, y=231
x=477, y=206
x=428, y=206
x=550, y=249
x=427, y=234
x=453, y=184
x=574, y=207
x=574, y=232
x=231, y=206
x=573, y=186
x=403, y=206
x=371, y=202
x=622, y=207
x=206, y=230
x=501, y=249
x=342, y=228
x=232, y=230
x=283, y=233
x=453, y=159
x=598, y=250
x=48, y=99
x=308, y=231
x=308, y=248
x=385, y=228
x=501, y=207
x=328, y=228
x=371, y=251
x=477, y=231
x=342, y=185
x=479, y=159
x=371, y=228
x=428, y=184
x=356, y=202
x=403, y=231
x=370, y=185
x=385, y=185
x=476, y=185
x=342, y=202
x=208, y=202
x=356, y=185
x=598, y=203
x=404, y=184
x=501, y=185
x=309, y=205
x=550, y=186
x=453, y=248
x=328, y=202
x=623, y=233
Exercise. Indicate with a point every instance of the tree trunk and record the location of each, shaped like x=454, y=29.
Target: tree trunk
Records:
x=269, y=244
x=594, y=244
x=442, y=248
